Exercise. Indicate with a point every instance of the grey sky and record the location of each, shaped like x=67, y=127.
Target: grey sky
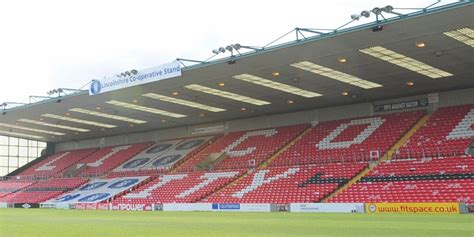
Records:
x=50, y=44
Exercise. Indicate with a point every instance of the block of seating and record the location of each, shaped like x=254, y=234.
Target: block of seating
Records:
x=43, y=190
x=449, y=179
x=179, y=187
x=162, y=157
x=9, y=186
x=246, y=146
x=448, y=132
x=349, y=139
x=452, y=190
x=107, y=158
x=56, y=163
x=197, y=150
x=287, y=184
x=448, y=165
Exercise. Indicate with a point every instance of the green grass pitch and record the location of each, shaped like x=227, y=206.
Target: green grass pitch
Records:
x=72, y=223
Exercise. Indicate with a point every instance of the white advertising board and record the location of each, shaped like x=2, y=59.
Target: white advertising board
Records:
x=244, y=207
x=225, y=207
x=327, y=207
x=187, y=206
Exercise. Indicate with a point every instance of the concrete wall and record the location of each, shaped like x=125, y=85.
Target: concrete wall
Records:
x=451, y=98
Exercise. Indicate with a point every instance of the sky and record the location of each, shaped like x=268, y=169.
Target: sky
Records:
x=51, y=44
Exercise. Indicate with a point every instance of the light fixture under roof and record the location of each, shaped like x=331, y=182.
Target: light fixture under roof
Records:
x=31, y=129
x=410, y=83
x=104, y=115
x=183, y=102
x=464, y=35
x=290, y=102
x=175, y=93
x=53, y=125
x=342, y=60
x=276, y=85
x=145, y=109
x=16, y=134
x=405, y=62
x=276, y=74
x=243, y=109
x=81, y=121
x=345, y=93
x=226, y=94
x=336, y=75
x=221, y=84
x=420, y=45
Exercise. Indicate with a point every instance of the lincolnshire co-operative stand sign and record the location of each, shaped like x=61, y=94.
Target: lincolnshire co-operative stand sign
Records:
x=134, y=78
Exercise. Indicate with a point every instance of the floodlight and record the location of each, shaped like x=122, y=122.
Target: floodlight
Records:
x=215, y=51
x=229, y=48
x=237, y=46
x=355, y=17
x=377, y=11
x=387, y=9
x=365, y=14
x=134, y=71
x=222, y=50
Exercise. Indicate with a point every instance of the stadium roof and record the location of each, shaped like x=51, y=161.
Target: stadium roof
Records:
x=421, y=49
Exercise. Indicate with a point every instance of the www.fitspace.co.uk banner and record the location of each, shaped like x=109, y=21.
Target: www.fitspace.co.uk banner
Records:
x=413, y=208
x=135, y=78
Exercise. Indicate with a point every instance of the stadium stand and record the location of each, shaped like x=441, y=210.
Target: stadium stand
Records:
x=54, y=165
x=349, y=139
x=179, y=188
x=286, y=184
x=448, y=132
x=240, y=148
x=322, y=160
x=449, y=179
x=43, y=190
